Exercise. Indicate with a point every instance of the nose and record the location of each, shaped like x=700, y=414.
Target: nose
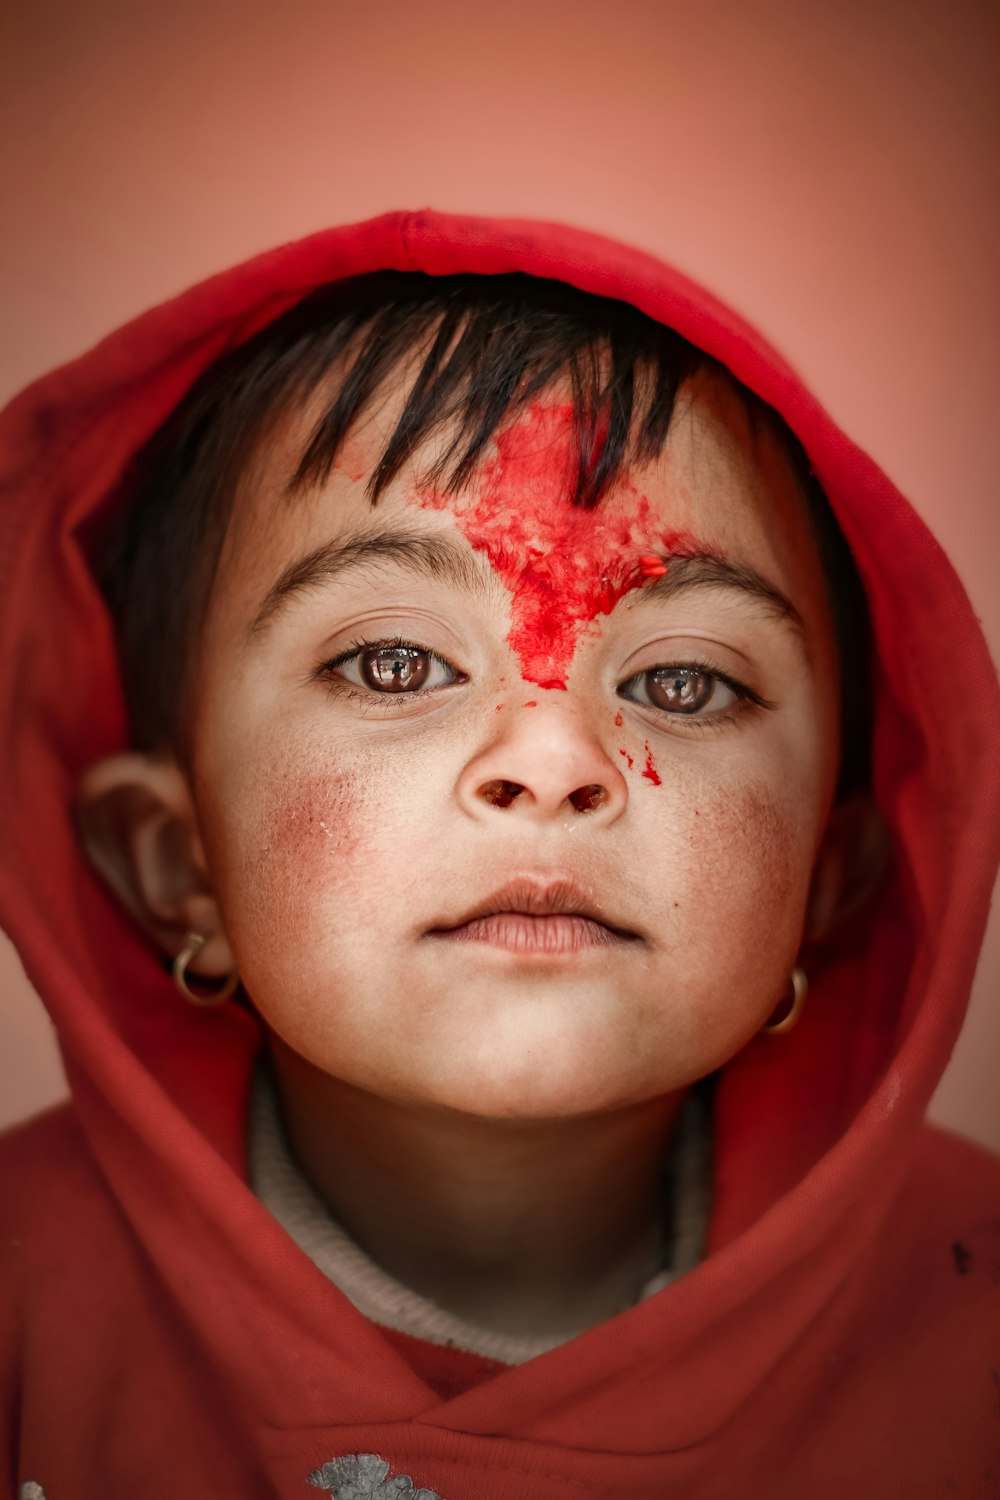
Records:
x=545, y=764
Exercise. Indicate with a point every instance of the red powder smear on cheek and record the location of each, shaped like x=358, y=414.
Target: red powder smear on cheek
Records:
x=651, y=773
x=531, y=703
x=628, y=757
x=619, y=721
x=564, y=566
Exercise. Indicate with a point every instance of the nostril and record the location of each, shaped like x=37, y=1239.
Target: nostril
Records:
x=589, y=798
x=500, y=793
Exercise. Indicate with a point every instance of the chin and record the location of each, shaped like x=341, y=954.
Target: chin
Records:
x=541, y=1080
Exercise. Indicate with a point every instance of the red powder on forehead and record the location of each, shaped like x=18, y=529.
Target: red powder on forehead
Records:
x=564, y=566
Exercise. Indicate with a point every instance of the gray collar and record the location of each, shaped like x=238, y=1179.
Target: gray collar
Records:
x=277, y=1181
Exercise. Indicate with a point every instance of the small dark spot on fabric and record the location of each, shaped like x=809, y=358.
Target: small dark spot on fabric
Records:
x=962, y=1257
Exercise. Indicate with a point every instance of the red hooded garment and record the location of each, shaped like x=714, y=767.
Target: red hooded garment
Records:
x=162, y=1336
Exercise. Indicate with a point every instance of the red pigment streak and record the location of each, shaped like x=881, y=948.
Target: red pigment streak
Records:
x=651, y=773
x=563, y=566
x=619, y=721
x=355, y=457
x=531, y=703
x=628, y=757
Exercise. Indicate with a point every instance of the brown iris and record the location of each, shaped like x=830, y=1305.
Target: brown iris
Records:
x=680, y=689
x=394, y=669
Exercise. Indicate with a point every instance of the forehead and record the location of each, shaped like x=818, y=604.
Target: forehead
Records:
x=722, y=480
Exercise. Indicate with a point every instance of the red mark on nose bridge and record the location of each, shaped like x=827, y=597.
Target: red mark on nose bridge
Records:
x=651, y=773
x=563, y=565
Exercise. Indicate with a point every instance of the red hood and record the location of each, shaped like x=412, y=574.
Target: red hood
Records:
x=812, y=1135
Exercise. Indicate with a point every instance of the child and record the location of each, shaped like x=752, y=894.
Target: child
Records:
x=431, y=643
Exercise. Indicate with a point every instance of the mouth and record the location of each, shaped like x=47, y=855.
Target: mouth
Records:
x=533, y=915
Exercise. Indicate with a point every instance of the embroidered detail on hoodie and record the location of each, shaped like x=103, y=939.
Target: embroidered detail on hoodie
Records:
x=31, y=1490
x=363, y=1476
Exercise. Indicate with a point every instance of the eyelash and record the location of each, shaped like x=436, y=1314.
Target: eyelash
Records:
x=746, y=698
x=350, y=692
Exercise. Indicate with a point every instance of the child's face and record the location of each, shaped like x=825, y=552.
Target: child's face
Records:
x=353, y=817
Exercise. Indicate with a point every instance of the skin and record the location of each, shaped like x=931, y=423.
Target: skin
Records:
x=461, y=1106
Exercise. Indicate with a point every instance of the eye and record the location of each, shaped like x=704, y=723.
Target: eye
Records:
x=685, y=690
x=392, y=667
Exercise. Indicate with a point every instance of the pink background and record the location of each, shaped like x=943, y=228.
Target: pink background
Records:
x=828, y=170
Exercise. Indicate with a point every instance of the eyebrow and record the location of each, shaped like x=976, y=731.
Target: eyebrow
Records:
x=431, y=555
x=425, y=554
x=707, y=570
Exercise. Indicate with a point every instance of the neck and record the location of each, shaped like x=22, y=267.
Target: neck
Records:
x=524, y=1227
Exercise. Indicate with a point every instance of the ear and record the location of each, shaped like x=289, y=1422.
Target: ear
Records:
x=139, y=827
x=854, y=856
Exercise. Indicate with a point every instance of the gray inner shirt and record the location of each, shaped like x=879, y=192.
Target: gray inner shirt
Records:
x=278, y=1183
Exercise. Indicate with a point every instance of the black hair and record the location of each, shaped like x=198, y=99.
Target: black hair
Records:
x=476, y=350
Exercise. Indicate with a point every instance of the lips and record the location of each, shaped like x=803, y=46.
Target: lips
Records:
x=537, y=914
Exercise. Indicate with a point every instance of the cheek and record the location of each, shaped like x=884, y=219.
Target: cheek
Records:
x=754, y=838
x=298, y=845
x=735, y=873
x=748, y=859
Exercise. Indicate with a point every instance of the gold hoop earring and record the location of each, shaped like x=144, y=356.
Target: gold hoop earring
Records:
x=800, y=986
x=192, y=947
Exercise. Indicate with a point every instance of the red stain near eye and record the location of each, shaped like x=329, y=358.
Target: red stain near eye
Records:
x=564, y=566
x=651, y=773
x=628, y=757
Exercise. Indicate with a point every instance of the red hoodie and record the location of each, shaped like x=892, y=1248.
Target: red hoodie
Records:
x=163, y=1336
